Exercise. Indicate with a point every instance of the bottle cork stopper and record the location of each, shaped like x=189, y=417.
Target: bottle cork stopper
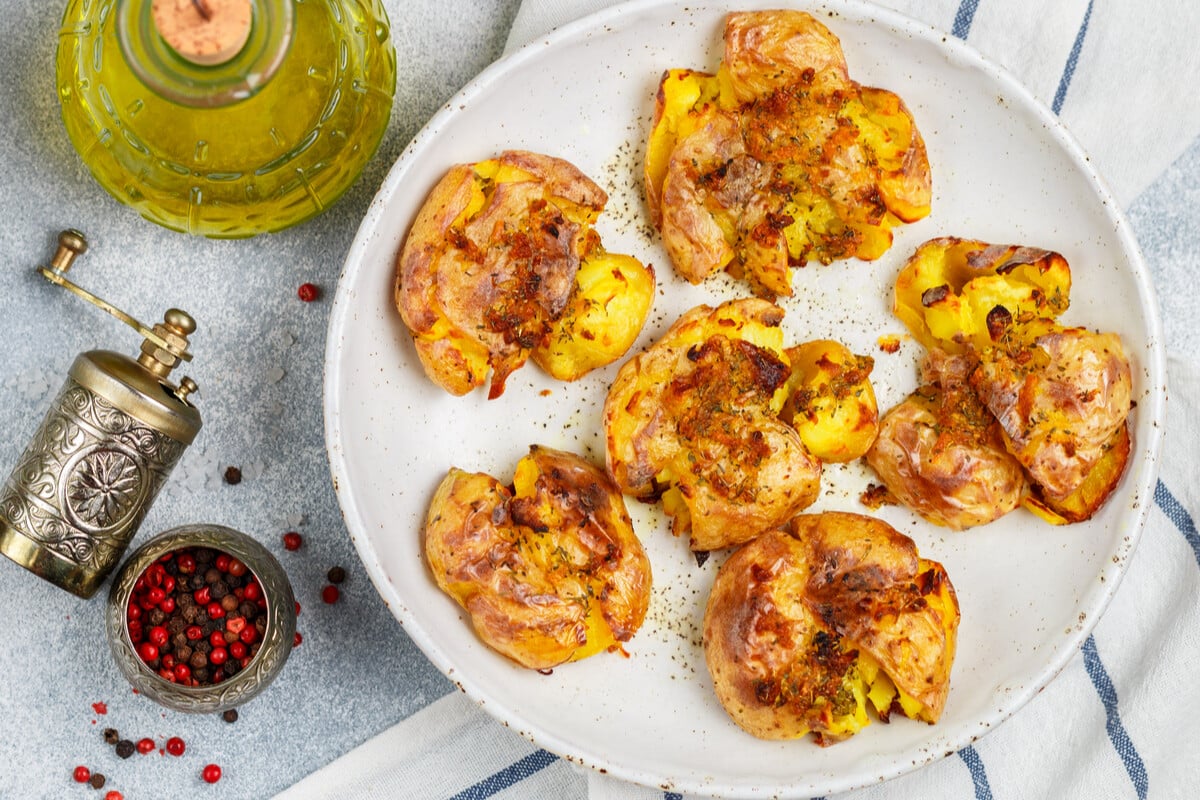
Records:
x=204, y=32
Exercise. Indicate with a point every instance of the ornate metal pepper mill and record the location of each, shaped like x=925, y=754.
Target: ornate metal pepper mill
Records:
x=110, y=439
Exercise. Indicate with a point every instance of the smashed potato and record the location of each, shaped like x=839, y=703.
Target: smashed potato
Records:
x=1023, y=392
x=807, y=627
x=953, y=293
x=1060, y=401
x=550, y=571
x=779, y=158
x=694, y=421
x=830, y=400
x=942, y=454
x=492, y=264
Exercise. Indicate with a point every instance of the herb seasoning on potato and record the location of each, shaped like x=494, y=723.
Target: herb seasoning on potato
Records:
x=694, y=420
x=1015, y=408
x=502, y=264
x=549, y=571
x=780, y=158
x=809, y=626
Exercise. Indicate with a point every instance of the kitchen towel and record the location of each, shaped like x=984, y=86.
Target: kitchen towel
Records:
x=1122, y=718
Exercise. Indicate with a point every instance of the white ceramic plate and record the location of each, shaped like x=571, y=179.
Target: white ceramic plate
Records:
x=1004, y=171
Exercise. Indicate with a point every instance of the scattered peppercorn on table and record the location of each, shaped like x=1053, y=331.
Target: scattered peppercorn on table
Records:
x=71, y=725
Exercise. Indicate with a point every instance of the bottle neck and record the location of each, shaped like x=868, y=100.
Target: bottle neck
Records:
x=172, y=76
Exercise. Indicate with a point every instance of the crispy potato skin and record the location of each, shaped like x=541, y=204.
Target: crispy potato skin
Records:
x=490, y=266
x=779, y=158
x=942, y=454
x=1058, y=397
x=696, y=415
x=1100, y=482
x=1059, y=402
x=550, y=574
x=766, y=51
x=694, y=218
x=790, y=611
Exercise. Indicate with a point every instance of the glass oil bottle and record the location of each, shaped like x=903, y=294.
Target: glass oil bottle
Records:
x=226, y=118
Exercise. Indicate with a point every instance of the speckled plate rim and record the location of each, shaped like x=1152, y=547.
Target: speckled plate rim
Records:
x=1140, y=478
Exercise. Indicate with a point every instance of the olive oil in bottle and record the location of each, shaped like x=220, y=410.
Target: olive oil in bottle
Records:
x=226, y=118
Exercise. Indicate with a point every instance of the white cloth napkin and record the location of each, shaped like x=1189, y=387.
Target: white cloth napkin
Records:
x=1123, y=718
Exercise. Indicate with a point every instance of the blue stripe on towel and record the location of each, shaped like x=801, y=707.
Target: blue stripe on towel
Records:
x=1112, y=723
x=1166, y=501
x=1072, y=61
x=970, y=757
x=1178, y=515
x=964, y=18
x=510, y=775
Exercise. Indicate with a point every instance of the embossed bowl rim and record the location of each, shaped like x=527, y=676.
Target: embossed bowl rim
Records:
x=277, y=636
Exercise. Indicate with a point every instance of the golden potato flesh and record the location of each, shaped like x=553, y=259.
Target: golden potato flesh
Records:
x=954, y=293
x=1059, y=401
x=941, y=454
x=490, y=266
x=685, y=101
x=779, y=158
x=694, y=421
x=830, y=400
x=550, y=571
x=613, y=294
x=805, y=628
x=1100, y=482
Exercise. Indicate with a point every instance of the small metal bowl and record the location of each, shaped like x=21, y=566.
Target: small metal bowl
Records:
x=278, y=635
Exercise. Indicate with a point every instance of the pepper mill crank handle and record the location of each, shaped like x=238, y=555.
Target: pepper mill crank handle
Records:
x=71, y=245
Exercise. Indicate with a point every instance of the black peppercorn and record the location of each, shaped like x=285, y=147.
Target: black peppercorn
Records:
x=230, y=716
x=125, y=748
x=233, y=476
x=336, y=575
x=97, y=780
x=194, y=634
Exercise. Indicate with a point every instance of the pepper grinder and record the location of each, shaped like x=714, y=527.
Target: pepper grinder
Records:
x=111, y=437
